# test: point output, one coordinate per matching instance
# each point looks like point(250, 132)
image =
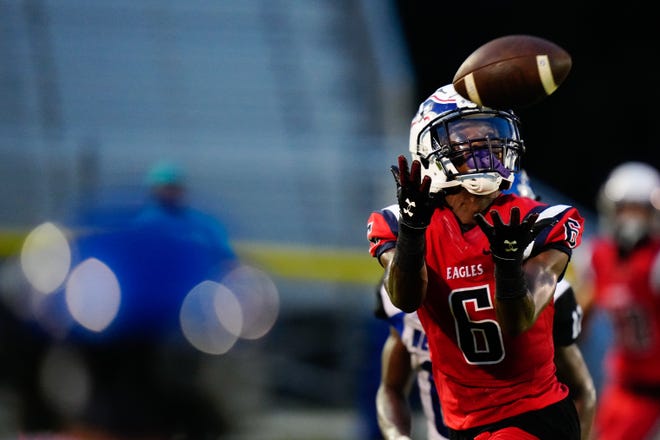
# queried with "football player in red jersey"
point(623, 269)
point(480, 268)
point(405, 353)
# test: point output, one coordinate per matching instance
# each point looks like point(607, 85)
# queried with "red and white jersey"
point(628, 288)
point(483, 375)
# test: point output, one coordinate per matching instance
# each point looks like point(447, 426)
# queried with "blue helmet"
point(521, 186)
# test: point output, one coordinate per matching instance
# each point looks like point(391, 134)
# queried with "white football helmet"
point(630, 183)
point(462, 144)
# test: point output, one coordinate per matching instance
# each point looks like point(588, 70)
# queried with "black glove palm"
point(412, 192)
point(508, 241)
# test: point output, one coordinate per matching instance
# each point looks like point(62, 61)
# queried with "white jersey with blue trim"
point(414, 338)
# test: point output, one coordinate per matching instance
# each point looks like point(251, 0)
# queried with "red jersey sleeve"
point(564, 235)
point(382, 230)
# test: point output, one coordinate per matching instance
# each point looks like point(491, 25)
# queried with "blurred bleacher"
point(286, 115)
point(280, 110)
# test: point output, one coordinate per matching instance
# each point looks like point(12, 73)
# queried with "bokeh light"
point(93, 294)
point(211, 318)
point(46, 257)
point(258, 298)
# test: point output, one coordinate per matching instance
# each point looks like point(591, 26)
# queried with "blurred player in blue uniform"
point(168, 210)
point(139, 374)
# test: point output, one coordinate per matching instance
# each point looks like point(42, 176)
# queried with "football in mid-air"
point(513, 71)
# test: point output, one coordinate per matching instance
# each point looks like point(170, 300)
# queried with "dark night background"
point(602, 115)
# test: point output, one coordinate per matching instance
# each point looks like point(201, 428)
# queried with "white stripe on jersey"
point(549, 212)
point(562, 287)
point(552, 211)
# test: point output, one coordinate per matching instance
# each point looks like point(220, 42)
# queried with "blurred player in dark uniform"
point(405, 354)
point(481, 268)
point(622, 266)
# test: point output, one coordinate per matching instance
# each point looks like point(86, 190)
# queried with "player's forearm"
point(586, 408)
point(394, 415)
point(583, 392)
point(573, 371)
point(407, 277)
point(406, 289)
point(515, 305)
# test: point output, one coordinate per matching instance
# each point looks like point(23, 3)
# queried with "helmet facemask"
point(631, 229)
point(476, 148)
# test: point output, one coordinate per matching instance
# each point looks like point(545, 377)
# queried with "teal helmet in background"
point(165, 173)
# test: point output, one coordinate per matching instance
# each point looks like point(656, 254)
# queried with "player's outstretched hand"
point(412, 192)
point(508, 241)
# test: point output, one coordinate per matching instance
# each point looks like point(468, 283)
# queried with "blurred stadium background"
point(286, 115)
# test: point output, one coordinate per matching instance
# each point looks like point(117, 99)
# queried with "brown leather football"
point(512, 71)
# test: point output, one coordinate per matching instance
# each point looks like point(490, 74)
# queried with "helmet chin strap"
point(481, 184)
